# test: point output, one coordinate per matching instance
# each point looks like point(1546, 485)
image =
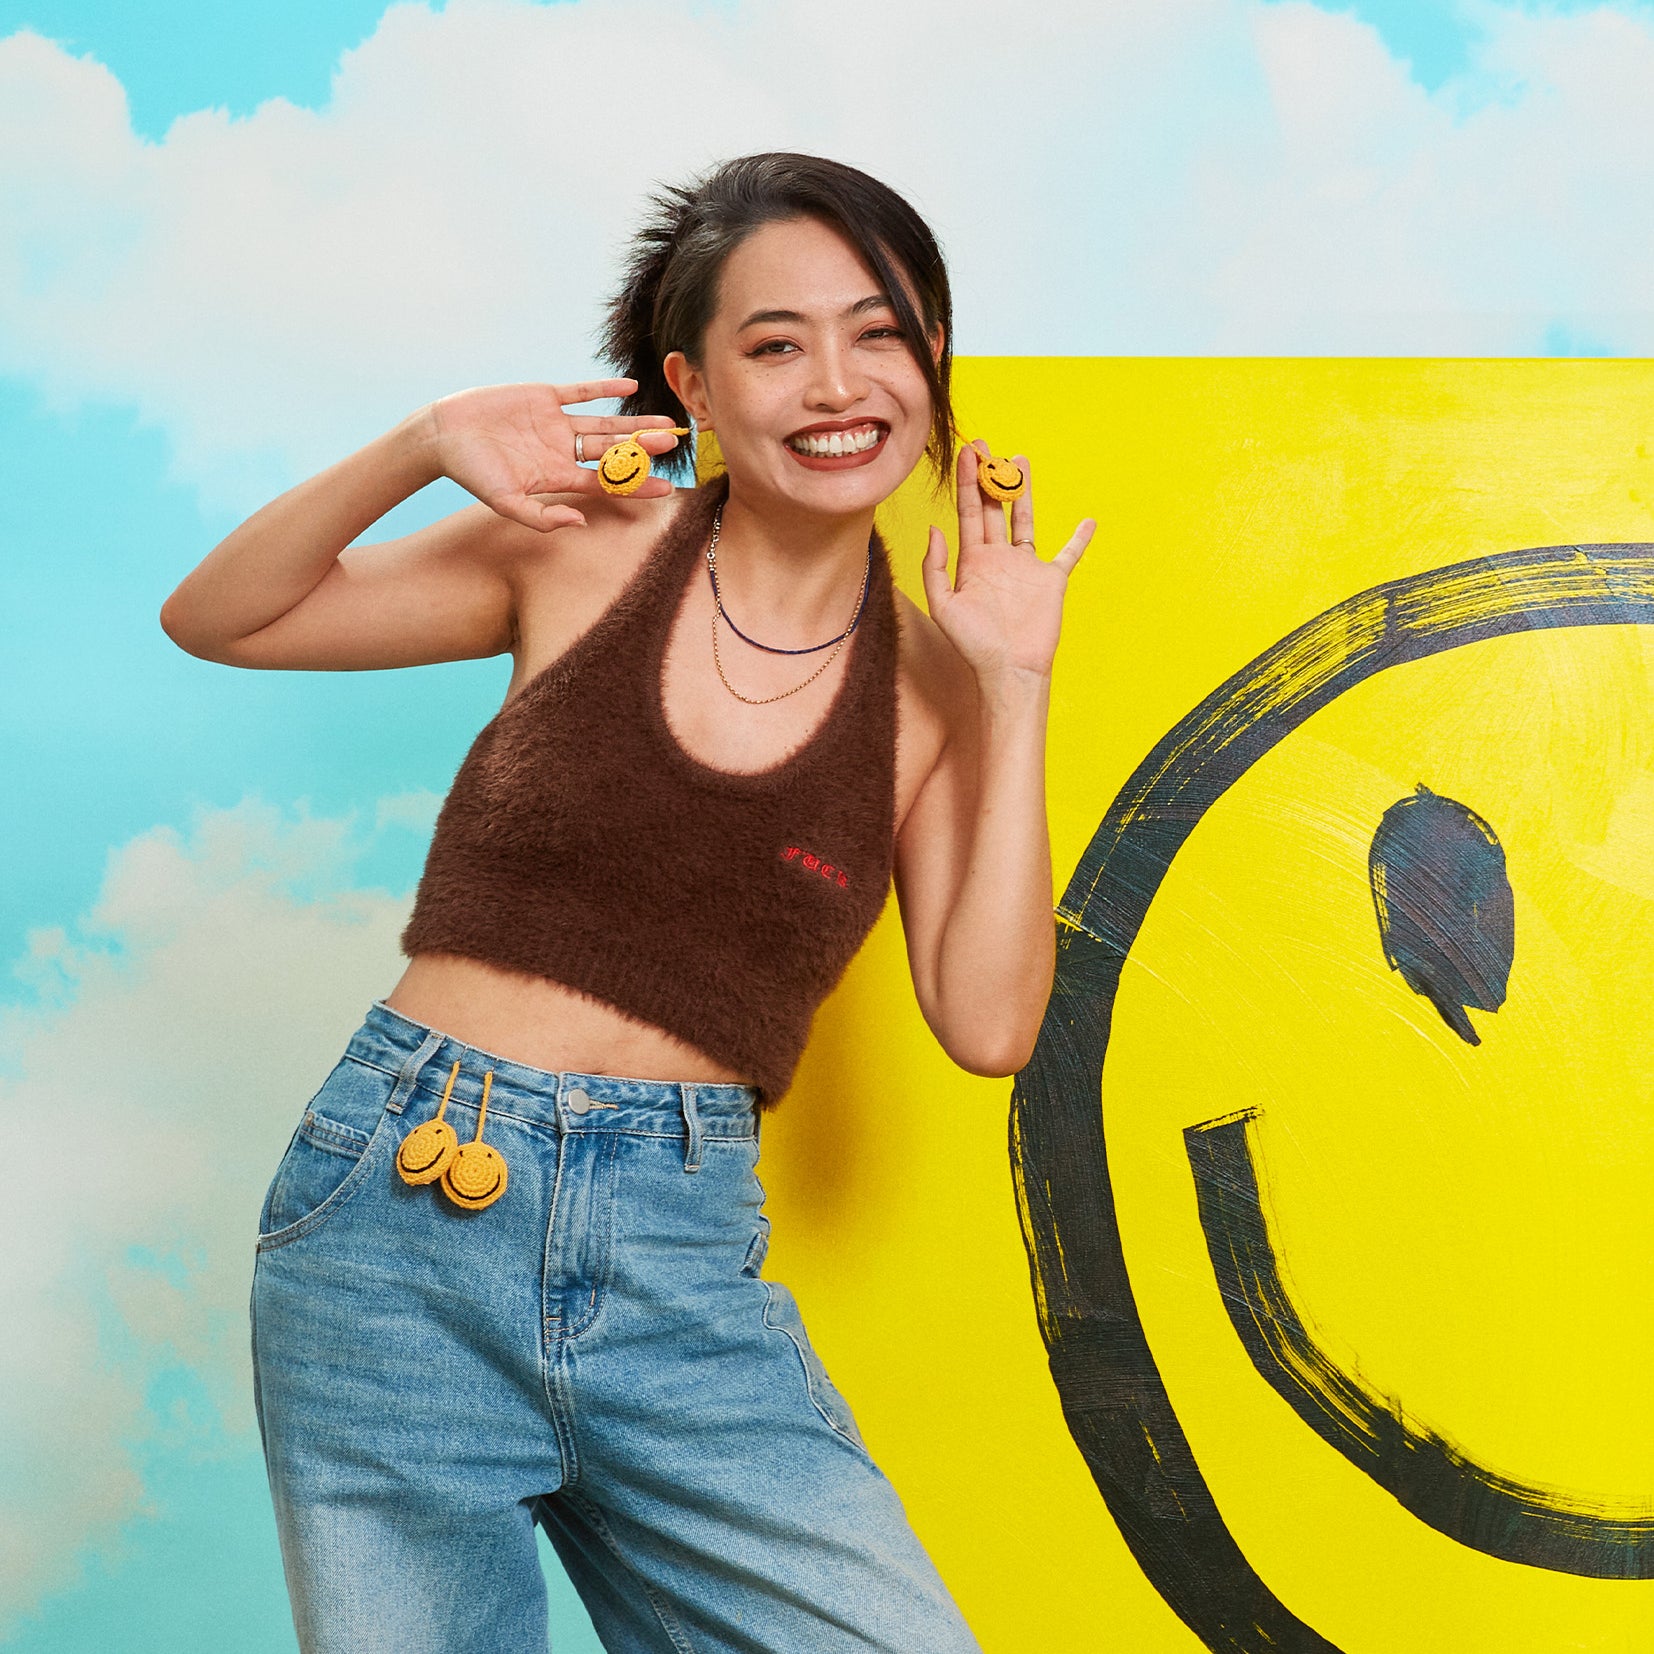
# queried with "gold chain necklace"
point(717, 659)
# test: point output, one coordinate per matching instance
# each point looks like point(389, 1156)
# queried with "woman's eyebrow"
point(873, 301)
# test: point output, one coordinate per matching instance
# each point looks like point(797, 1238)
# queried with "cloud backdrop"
point(259, 291)
point(1187, 176)
point(174, 1036)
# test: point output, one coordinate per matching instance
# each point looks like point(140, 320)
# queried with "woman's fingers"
point(583, 480)
point(543, 514)
point(593, 437)
point(653, 442)
point(969, 498)
point(656, 442)
point(613, 425)
point(986, 511)
point(933, 571)
point(993, 513)
point(1075, 549)
point(1022, 507)
point(592, 390)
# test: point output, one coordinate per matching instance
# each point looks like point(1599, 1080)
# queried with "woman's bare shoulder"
point(614, 527)
point(565, 580)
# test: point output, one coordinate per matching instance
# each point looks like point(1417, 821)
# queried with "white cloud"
point(417, 811)
point(152, 1090)
point(1175, 176)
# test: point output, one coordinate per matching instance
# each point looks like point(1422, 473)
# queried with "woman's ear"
point(937, 339)
point(689, 386)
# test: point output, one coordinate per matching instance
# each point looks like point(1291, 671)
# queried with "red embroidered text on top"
point(580, 842)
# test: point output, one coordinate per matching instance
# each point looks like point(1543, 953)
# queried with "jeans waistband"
point(568, 1100)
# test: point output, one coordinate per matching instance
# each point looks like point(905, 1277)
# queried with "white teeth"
point(823, 444)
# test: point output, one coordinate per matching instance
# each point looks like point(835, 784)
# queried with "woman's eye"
point(773, 347)
point(883, 333)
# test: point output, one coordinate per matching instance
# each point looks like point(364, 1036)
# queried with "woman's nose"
point(836, 382)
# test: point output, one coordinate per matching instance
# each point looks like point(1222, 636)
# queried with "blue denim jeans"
point(597, 1352)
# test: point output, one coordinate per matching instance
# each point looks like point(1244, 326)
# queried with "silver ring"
point(580, 447)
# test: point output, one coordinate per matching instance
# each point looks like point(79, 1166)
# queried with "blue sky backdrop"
point(237, 242)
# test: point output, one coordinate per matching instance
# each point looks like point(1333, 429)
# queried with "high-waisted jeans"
point(597, 1351)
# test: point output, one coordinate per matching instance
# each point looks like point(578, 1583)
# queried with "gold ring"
point(1029, 543)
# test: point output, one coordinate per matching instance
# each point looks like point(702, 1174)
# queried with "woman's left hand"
point(1003, 609)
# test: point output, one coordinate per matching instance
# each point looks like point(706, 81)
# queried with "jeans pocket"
point(781, 1315)
point(328, 1155)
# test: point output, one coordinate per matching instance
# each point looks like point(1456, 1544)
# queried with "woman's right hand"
point(513, 445)
point(291, 589)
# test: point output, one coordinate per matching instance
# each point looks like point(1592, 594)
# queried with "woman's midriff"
point(529, 1019)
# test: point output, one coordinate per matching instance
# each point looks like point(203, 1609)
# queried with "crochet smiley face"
point(475, 1177)
point(426, 1151)
point(1001, 479)
point(624, 467)
point(472, 1175)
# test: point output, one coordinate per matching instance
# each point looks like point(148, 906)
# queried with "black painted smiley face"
point(1440, 893)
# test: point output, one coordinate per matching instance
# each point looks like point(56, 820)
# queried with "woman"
point(654, 863)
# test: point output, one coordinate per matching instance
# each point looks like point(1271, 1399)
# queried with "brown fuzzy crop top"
point(582, 843)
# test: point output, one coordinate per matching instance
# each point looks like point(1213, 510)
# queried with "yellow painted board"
point(1467, 1226)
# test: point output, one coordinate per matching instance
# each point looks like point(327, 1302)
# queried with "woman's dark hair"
point(671, 285)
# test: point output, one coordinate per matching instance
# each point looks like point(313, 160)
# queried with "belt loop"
point(409, 1073)
point(691, 1130)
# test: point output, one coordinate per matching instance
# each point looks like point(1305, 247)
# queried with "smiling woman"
point(527, 1189)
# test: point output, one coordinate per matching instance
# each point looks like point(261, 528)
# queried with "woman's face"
point(805, 374)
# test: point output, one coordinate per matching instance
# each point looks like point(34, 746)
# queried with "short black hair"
point(671, 282)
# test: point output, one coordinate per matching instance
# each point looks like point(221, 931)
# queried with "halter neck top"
point(582, 843)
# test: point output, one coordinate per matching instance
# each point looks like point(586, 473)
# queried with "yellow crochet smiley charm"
point(428, 1148)
point(624, 466)
point(475, 1176)
point(1001, 479)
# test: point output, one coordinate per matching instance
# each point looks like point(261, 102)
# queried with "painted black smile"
point(1113, 1397)
point(1441, 1485)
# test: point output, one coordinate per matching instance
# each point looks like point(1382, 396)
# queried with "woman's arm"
point(973, 858)
point(283, 590)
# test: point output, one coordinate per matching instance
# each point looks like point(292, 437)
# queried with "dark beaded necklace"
point(769, 648)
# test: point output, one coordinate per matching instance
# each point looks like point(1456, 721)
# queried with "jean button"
point(577, 1100)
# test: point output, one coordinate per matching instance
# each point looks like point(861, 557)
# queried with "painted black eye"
point(1446, 917)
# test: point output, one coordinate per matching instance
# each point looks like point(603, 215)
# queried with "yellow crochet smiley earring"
point(624, 466)
point(475, 1176)
point(1001, 479)
point(428, 1148)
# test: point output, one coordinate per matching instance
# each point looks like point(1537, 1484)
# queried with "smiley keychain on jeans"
point(473, 1175)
